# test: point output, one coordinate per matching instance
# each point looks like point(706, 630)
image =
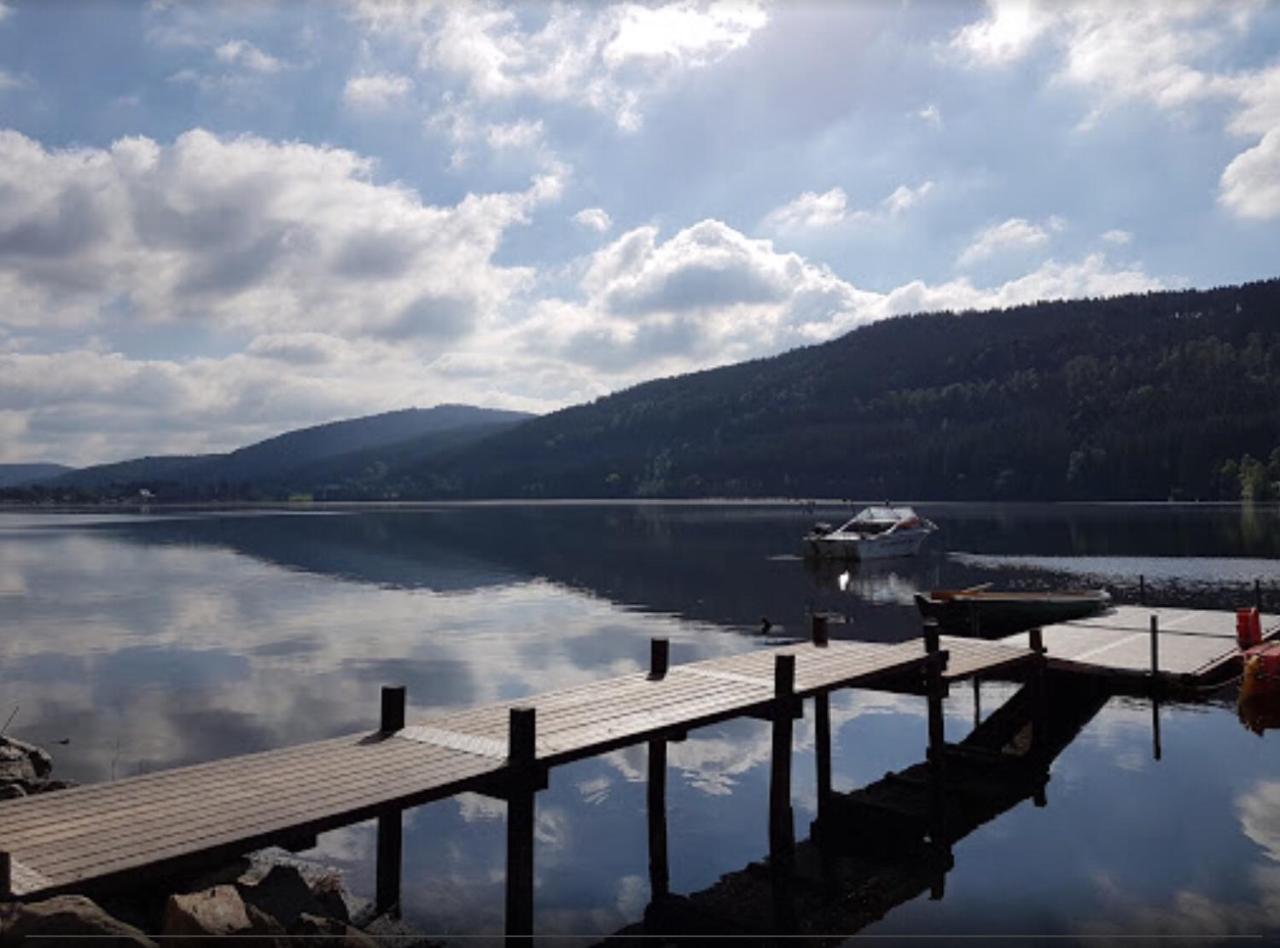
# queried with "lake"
point(149, 640)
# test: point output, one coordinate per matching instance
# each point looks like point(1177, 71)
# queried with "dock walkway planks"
point(164, 821)
point(1195, 645)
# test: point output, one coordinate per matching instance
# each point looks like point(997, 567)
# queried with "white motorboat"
point(875, 533)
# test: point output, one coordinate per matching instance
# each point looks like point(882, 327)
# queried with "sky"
point(221, 221)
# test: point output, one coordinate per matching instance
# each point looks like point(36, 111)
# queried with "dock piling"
point(521, 757)
point(392, 719)
point(822, 753)
point(656, 800)
point(659, 658)
point(6, 875)
point(818, 630)
point(1156, 750)
point(781, 822)
point(1155, 649)
point(390, 859)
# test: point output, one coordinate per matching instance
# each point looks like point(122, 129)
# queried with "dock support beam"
point(656, 800)
point(935, 688)
point(1039, 694)
point(6, 875)
point(781, 824)
point(521, 757)
point(390, 861)
point(1155, 650)
point(390, 851)
point(822, 755)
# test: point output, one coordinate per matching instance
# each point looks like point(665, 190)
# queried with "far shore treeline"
point(1169, 395)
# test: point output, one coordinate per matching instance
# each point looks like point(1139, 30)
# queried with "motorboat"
point(988, 613)
point(876, 533)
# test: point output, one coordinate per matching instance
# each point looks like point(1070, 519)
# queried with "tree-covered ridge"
point(1137, 397)
point(1142, 397)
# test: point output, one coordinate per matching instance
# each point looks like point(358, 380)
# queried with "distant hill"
point(1147, 396)
point(1141, 397)
point(14, 474)
point(294, 461)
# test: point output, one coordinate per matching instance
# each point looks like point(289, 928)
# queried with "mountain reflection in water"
point(155, 641)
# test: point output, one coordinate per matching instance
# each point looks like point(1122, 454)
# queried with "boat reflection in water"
point(1259, 712)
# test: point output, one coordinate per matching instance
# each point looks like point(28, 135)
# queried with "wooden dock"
point(1176, 648)
point(159, 825)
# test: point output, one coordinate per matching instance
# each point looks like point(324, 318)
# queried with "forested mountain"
point(327, 454)
point(12, 474)
point(1147, 396)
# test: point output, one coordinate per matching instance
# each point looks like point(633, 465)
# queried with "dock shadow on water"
point(152, 642)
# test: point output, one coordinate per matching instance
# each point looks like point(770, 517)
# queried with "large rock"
point(16, 766)
point(40, 760)
point(330, 931)
point(284, 895)
point(211, 912)
point(66, 915)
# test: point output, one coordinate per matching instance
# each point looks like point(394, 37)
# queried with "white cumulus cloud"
point(375, 90)
point(1016, 233)
point(1250, 185)
point(243, 53)
point(594, 218)
point(605, 58)
point(811, 211)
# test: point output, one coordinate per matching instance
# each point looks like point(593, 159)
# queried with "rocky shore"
point(269, 898)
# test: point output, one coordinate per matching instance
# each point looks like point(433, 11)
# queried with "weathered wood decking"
point(1194, 646)
point(167, 821)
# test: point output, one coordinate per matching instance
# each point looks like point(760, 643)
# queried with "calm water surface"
point(150, 641)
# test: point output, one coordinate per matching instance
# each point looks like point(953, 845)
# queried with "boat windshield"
point(885, 515)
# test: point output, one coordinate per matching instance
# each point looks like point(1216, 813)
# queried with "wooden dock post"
point(6, 875)
point(656, 800)
point(822, 755)
point(977, 700)
point(390, 860)
point(392, 708)
point(818, 630)
point(390, 845)
point(659, 658)
point(935, 689)
point(781, 824)
point(521, 758)
point(1155, 649)
point(1039, 692)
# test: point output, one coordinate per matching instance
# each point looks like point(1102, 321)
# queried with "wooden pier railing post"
point(935, 690)
point(659, 658)
point(390, 861)
point(521, 758)
point(818, 629)
point(781, 823)
point(392, 708)
point(659, 876)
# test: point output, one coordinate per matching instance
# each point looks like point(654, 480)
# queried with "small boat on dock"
point(875, 533)
point(990, 613)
